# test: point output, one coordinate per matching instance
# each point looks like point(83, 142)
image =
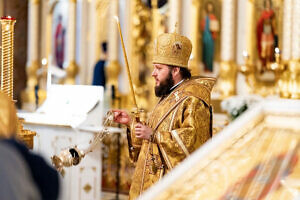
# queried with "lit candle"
point(245, 54)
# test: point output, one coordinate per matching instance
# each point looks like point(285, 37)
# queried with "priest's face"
point(163, 79)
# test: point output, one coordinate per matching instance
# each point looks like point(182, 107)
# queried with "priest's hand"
point(121, 116)
point(143, 131)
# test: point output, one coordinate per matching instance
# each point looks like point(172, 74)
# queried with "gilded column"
point(294, 65)
point(141, 50)
point(72, 67)
point(194, 63)
point(228, 69)
point(174, 14)
point(32, 64)
point(7, 73)
point(113, 69)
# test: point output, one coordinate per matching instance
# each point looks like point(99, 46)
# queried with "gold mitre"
point(172, 49)
point(8, 117)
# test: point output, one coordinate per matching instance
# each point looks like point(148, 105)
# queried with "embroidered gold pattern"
point(184, 110)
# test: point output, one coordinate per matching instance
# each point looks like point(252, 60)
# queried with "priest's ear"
point(175, 71)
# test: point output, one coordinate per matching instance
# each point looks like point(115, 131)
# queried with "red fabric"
point(59, 45)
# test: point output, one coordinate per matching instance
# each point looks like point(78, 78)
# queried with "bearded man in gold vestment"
point(180, 122)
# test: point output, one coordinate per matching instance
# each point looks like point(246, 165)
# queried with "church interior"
point(66, 63)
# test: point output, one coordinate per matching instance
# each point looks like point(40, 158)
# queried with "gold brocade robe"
point(181, 123)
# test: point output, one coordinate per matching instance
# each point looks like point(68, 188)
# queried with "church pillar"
point(228, 69)
point(94, 42)
point(72, 67)
point(113, 69)
point(287, 30)
point(32, 64)
point(296, 30)
point(250, 31)
point(174, 15)
point(294, 65)
point(286, 47)
point(194, 63)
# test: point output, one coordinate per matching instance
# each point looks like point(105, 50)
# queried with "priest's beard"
point(164, 87)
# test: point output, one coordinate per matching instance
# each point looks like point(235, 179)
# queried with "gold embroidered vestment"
point(181, 123)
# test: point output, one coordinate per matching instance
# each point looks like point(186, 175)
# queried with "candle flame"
point(116, 18)
point(245, 53)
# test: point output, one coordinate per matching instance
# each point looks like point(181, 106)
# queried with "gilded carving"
point(87, 188)
point(35, 2)
point(140, 54)
point(72, 71)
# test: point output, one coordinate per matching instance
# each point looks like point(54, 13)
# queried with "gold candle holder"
point(258, 86)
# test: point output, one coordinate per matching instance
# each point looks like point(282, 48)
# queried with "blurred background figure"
point(210, 28)
point(99, 70)
point(59, 43)
point(23, 174)
point(266, 34)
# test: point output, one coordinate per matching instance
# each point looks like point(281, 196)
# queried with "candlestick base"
point(226, 83)
point(72, 71)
